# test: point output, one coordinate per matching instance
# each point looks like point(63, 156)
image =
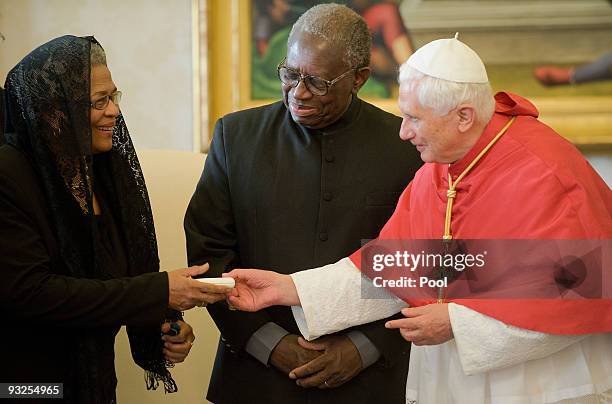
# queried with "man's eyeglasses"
point(316, 85)
point(101, 103)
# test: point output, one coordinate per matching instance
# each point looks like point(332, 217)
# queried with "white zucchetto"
point(449, 59)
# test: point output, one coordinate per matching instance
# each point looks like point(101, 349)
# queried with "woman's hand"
point(185, 292)
point(177, 347)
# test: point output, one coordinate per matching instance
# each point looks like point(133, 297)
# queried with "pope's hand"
point(424, 325)
point(257, 289)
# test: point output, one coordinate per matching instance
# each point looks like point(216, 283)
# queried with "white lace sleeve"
point(485, 343)
point(333, 297)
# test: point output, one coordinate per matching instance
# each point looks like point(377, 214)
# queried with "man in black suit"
point(294, 185)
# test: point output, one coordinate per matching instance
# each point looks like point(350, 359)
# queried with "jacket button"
point(329, 158)
point(323, 236)
point(328, 196)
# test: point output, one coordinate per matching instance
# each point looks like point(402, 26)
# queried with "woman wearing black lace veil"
point(78, 253)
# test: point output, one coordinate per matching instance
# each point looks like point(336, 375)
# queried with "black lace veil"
point(48, 119)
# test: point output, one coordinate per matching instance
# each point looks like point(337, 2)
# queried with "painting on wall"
point(271, 23)
point(557, 53)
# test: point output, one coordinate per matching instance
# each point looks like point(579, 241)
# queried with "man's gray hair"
point(341, 27)
point(442, 96)
point(97, 55)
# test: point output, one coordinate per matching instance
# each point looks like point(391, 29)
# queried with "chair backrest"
point(171, 177)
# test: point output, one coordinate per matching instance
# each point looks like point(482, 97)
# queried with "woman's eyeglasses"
point(102, 103)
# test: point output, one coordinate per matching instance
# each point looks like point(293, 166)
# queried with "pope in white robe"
point(500, 174)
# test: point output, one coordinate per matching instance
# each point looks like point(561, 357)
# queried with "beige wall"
point(148, 45)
